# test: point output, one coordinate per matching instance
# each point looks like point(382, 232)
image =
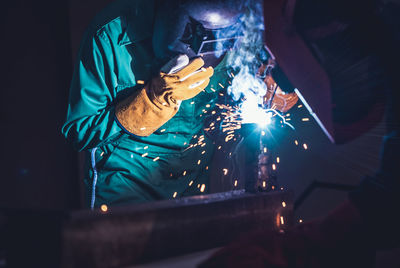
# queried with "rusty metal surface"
point(136, 234)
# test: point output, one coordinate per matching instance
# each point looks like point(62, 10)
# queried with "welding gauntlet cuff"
point(142, 113)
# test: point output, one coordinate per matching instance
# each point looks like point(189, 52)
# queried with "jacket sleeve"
point(90, 118)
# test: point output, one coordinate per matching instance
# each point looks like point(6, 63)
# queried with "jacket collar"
point(139, 23)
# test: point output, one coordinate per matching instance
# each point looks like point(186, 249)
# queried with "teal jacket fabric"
point(115, 57)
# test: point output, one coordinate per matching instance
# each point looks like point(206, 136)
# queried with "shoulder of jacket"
point(112, 20)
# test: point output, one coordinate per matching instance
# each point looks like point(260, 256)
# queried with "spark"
point(198, 162)
point(198, 185)
point(203, 187)
point(305, 119)
point(265, 150)
point(206, 167)
point(235, 183)
point(140, 82)
point(300, 220)
point(283, 204)
point(220, 85)
point(184, 173)
point(296, 142)
point(225, 171)
point(264, 184)
point(192, 103)
point(104, 208)
point(102, 153)
point(305, 146)
point(203, 152)
point(145, 154)
point(278, 160)
point(263, 132)
point(146, 147)
point(219, 147)
point(208, 105)
point(282, 117)
point(300, 105)
point(273, 167)
point(175, 194)
point(282, 221)
point(229, 137)
point(162, 130)
point(155, 159)
point(142, 128)
point(190, 183)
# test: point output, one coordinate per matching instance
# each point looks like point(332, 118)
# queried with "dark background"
point(40, 171)
point(40, 41)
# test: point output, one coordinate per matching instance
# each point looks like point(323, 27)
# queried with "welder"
point(140, 87)
point(346, 53)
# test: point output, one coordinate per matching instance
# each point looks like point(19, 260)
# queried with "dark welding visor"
point(205, 41)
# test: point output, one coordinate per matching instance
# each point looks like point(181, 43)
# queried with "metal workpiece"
point(121, 236)
point(257, 167)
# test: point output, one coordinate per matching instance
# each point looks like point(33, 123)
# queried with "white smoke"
point(245, 60)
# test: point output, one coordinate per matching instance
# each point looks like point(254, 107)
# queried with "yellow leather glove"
point(170, 88)
point(145, 111)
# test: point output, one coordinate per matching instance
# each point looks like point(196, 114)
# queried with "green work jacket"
point(114, 58)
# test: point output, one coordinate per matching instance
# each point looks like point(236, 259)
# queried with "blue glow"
point(216, 19)
point(251, 112)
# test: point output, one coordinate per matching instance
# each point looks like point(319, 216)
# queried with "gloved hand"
point(145, 111)
point(336, 241)
point(181, 81)
point(278, 99)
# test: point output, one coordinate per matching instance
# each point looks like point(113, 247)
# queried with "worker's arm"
point(90, 119)
point(94, 117)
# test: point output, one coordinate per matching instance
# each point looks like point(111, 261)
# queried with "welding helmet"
point(326, 52)
point(196, 28)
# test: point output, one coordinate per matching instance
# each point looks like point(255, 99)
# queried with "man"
point(144, 79)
